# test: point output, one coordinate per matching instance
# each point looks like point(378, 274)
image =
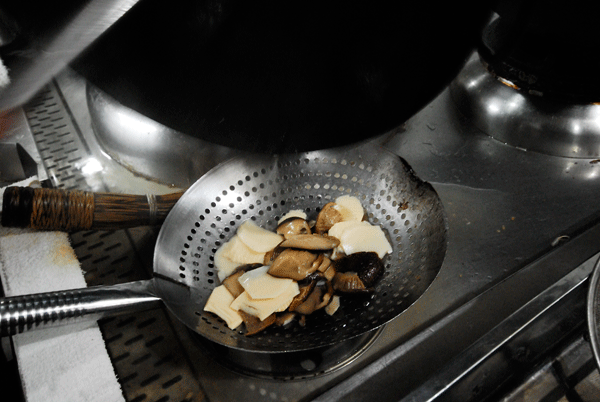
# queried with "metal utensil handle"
point(29, 312)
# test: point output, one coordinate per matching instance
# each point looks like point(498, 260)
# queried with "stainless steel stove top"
point(523, 229)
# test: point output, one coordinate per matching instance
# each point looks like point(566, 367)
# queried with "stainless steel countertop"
point(519, 221)
point(512, 214)
point(507, 209)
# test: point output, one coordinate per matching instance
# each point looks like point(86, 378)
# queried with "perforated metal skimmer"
point(258, 188)
point(263, 189)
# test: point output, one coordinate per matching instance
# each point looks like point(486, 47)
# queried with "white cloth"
point(68, 363)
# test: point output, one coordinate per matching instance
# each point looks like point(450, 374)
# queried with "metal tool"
point(263, 188)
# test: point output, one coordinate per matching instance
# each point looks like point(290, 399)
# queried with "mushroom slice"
point(254, 325)
point(329, 272)
point(271, 255)
point(327, 295)
point(293, 226)
point(372, 270)
point(328, 217)
point(311, 302)
point(326, 299)
point(324, 265)
point(317, 299)
point(349, 282)
point(318, 262)
point(285, 318)
point(305, 291)
point(368, 266)
point(232, 285)
point(293, 264)
point(311, 242)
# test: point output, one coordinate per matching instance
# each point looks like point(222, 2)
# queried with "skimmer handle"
point(29, 312)
point(57, 209)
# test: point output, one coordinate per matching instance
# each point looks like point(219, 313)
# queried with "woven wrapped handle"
point(55, 209)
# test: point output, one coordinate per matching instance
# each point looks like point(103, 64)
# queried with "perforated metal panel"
point(148, 358)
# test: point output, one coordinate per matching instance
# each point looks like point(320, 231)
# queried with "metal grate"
point(149, 361)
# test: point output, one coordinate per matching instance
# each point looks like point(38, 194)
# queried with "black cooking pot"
point(280, 76)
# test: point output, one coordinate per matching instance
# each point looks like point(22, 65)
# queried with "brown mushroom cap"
point(367, 265)
point(254, 325)
point(293, 226)
point(311, 302)
point(329, 272)
point(327, 217)
point(327, 295)
point(294, 264)
point(311, 242)
point(317, 299)
point(349, 282)
point(232, 284)
point(318, 261)
point(271, 255)
point(305, 291)
point(285, 318)
point(324, 265)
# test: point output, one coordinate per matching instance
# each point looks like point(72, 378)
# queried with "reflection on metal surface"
point(149, 148)
point(523, 120)
point(37, 311)
point(91, 166)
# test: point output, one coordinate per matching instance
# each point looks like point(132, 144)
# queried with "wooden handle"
point(55, 209)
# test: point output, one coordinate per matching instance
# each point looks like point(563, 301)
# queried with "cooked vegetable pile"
point(277, 277)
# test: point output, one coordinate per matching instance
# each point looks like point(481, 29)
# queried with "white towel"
point(61, 364)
